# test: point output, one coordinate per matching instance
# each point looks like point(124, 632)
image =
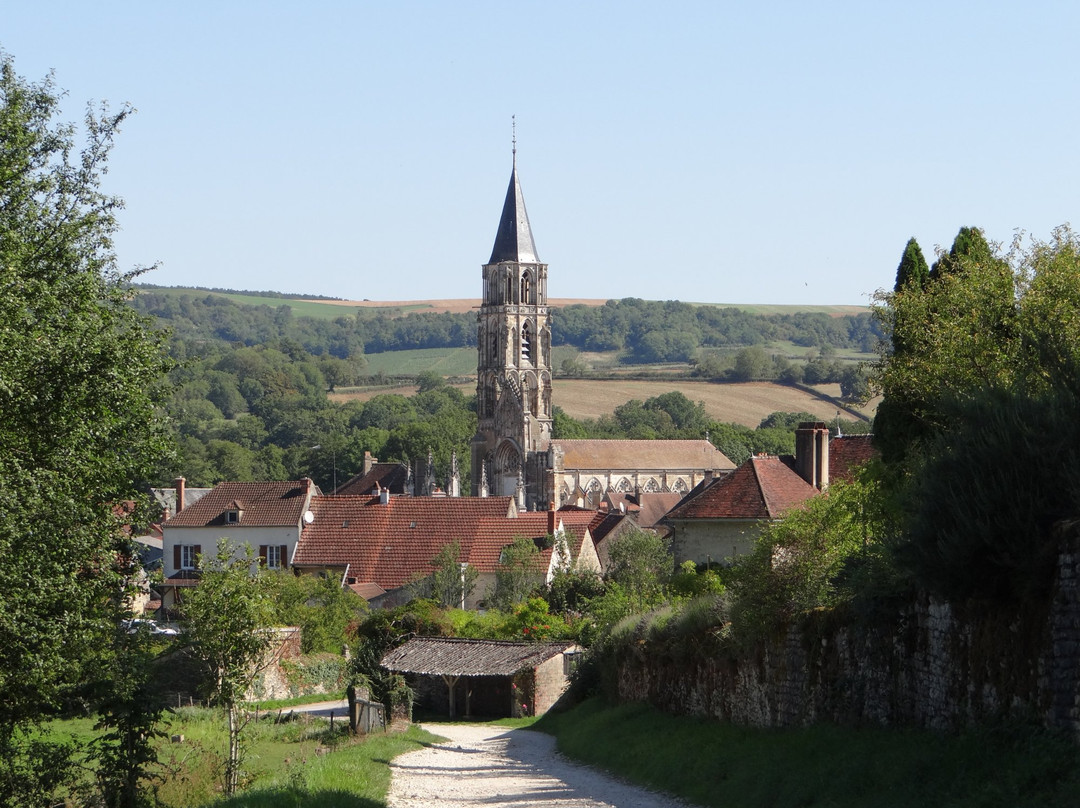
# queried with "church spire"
point(514, 239)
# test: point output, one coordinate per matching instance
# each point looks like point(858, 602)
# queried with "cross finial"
point(513, 136)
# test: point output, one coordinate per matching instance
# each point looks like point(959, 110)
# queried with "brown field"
point(745, 404)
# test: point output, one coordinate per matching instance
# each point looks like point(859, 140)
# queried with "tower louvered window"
point(526, 343)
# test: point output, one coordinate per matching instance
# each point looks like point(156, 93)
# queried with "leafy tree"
point(517, 574)
point(451, 581)
point(80, 427)
point(797, 564)
point(225, 619)
point(322, 608)
point(752, 364)
point(912, 270)
point(641, 564)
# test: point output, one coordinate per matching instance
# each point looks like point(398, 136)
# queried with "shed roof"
point(452, 656)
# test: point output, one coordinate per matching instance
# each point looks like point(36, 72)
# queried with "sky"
point(722, 152)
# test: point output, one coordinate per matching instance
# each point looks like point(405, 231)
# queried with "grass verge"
point(713, 764)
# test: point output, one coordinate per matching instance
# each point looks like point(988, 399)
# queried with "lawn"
point(723, 766)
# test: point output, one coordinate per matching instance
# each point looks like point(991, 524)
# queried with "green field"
point(300, 308)
point(444, 361)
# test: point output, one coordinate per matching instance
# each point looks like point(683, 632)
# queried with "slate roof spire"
point(514, 239)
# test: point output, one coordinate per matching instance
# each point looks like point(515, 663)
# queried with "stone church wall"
point(938, 665)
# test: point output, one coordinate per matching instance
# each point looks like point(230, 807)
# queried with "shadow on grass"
point(298, 798)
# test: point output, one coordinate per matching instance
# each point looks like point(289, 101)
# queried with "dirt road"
point(482, 766)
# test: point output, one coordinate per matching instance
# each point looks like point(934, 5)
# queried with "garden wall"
point(928, 663)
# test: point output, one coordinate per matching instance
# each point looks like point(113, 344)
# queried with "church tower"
point(513, 386)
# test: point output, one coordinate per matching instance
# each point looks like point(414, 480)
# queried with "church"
point(514, 452)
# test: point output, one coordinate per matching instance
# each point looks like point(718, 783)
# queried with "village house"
point(380, 546)
point(266, 517)
point(722, 519)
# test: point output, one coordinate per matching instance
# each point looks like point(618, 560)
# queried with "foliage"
point(641, 564)
point(518, 573)
point(225, 621)
point(912, 270)
point(322, 608)
point(984, 499)
point(80, 429)
point(980, 392)
point(797, 564)
point(451, 582)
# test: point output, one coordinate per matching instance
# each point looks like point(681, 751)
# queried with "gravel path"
point(482, 766)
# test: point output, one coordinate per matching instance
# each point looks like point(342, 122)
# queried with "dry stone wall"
point(930, 664)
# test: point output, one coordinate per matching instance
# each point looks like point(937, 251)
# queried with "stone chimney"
point(369, 461)
point(551, 519)
point(178, 484)
point(812, 453)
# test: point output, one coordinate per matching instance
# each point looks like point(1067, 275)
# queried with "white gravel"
point(482, 766)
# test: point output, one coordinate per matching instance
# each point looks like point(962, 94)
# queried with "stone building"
point(513, 453)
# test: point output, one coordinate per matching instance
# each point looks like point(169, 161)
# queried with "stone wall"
point(928, 664)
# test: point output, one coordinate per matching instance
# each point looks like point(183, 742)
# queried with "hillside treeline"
point(647, 332)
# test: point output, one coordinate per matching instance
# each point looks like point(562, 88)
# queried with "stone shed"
point(484, 677)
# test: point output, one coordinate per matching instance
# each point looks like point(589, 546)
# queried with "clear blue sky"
point(720, 152)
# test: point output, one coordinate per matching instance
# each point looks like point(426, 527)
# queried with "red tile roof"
point(388, 544)
point(763, 487)
point(848, 453)
point(386, 475)
point(264, 504)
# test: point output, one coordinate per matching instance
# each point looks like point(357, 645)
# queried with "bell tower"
point(513, 384)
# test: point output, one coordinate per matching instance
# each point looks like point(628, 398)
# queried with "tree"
point(80, 427)
point(225, 619)
point(912, 270)
point(517, 574)
point(641, 563)
point(452, 581)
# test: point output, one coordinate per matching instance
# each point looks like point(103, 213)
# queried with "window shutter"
point(176, 557)
point(284, 556)
point(262, 555)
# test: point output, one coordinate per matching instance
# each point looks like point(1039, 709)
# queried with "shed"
point(492, 677)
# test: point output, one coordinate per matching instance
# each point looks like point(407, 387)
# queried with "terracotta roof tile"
point(618, 455)
point(265, 504)
point(763, 487)
point(388, 544)
point(848, 453)
point(386, 475)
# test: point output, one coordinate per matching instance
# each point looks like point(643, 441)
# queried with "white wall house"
point(265, 516)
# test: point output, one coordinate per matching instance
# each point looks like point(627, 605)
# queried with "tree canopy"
point(80, 429)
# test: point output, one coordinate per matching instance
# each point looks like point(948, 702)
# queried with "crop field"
point(444, 361)
point(747, 404)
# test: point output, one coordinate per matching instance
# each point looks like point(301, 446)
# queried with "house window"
point(232, 517)
point(274, 556)
point(570, 661)
point(188, 555)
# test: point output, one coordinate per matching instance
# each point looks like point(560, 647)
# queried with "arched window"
point(526, 288)
point(526, 343)
point(509, 287)
point(594, 493)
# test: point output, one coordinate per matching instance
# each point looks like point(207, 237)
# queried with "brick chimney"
point(551, 519)
point(178, 484)
point(812, 453)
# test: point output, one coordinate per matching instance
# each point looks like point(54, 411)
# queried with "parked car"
point(152, 627)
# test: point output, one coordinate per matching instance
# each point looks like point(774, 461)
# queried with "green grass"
point(715, 764)
point(444, 361)
point(310, 698)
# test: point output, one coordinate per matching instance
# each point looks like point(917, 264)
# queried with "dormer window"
point(234, 513)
